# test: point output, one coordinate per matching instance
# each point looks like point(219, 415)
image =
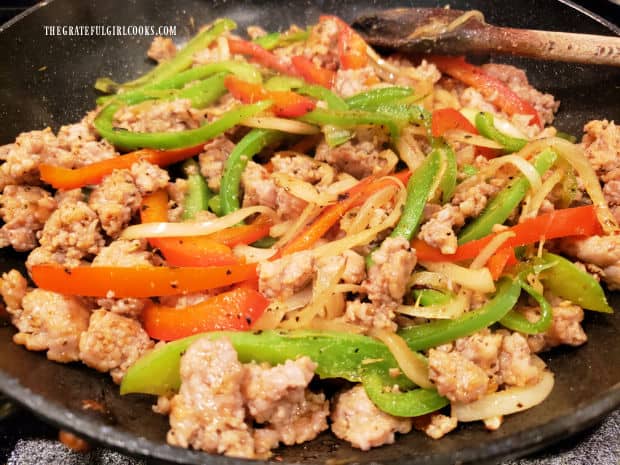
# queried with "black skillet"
point(47, 80)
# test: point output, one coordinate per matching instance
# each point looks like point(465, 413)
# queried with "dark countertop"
point(25, 440)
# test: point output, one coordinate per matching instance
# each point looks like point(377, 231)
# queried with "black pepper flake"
point(144, 208)
point(68, 271)
point(520, 405)
point(357, 349)
point(248, 319)
point(258, 333)
point(174, 285)
point(228, 272)
point(343, 196)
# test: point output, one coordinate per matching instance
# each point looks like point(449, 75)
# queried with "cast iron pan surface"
point(47, 81)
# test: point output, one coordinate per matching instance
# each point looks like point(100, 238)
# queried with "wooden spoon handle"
point(549, 45)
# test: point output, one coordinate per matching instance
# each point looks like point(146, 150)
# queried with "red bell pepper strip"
point(313, 73)
point(183, 251)
point(138, 281)
point(260, 55)
point(578, 221)
point(232, 310)
point(447, 119)
point(504, 257)
point(65, 178)
point(285, 103)
point(490, 87)
point(332, 214)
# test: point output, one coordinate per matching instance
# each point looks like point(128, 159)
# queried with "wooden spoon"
point(455, 32)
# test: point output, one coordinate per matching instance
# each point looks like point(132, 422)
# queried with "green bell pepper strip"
point(351, 118)
point(242, 70)
point(469, 170)
point(353, 357)
point(410, 403)
point(281, 83)
point(215, 205)
point(335, 136)
point(265, 243)
point(517, 322)
point(504, 203)
point(172, 140)
point(334, 102)
point(338, 355)
point(280, 39)
point(412, 114)
point(486, 127)
point(418, 191)
point(428, 297)
point(198, 193)
point(184, 57)
point(370, 100)
point(568, 282)
point(448, 180)
point(246, 148)
point(565, 135)
point(425, 336)
point(203, 93)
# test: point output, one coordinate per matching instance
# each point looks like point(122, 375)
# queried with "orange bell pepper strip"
point(285, 103)
point(260, 55)
point(313, 73)
point(500, 260)
point(332, 214)
point(446, 119)
point(232, 310)
point(578, 221)
point(490, 87)
point(245, 233)
point(65, 178)
point(138, 281)
point(183, 251)
point(351, 46)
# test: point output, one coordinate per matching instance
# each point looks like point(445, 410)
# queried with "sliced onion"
point(273, 315)
point(253, 254)
point(281, 124)
point(430, 279)
point(303, 190)
point(574, 155)
point(506, 127)
point(279, 229)
point(308, 214)
point(343, 184)
point(366, 236)
point(477, 280)
point(488, 250)
point(335, 325)
point(511, 400)
point(367, 210)
point(453, 309)
point(409, 150)
point(200, 228)
point(432, 29)
point(458, 135)
point(411, 364)
point(521, 164)
point(530, 209)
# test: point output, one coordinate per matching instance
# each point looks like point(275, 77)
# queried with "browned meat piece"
point(115, 200)
point(393, 263)
point(517, 365)
point(515, 78)
point(24, 210)
point(212, 160)
point(565, 327)
point(482, 348)
point(284, 277)
point(456, 377)
point(304, 168)
point(208, 412)
point(161, 49)
point(174, 115)
point(72, 230)
point(81, 139)
point(359, 157)
point(370, 315)
point(435, 425)
point(113, 343)
point(601, 143)
point(349, 82)
point(468, 201)
point(127, 253)
point(176, 191)
point(13, 288)
point(52, 322)
point(321, 47)
point(278, 397)
point(357, 420)
point(602, 251)
point(352, 264)
point(260, 189)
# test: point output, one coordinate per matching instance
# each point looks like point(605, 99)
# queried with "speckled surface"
point(48, 81)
